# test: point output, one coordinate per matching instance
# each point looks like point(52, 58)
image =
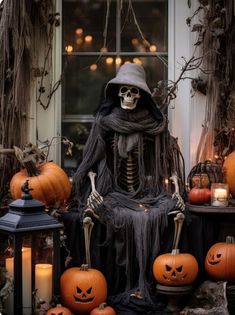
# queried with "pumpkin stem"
point(31, 167)
point(28, 161)
point(84, 267)
point(175, 251)
point(230, 240)
point(102, 306)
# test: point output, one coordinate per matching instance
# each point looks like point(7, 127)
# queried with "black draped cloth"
point(133, 226)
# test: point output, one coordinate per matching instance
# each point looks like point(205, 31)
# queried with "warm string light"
point(69, 49)
point(93, 67)
point(109, 60)
point(88, 38)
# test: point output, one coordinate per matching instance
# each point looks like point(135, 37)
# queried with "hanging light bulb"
point(134, 41)
point(118, 61)
point(69, 49)
point(137, 61)
point(79, 41)
point(79, 31)
point(109, 60)
point(104, 49)
point(93, 67)
point(88, 39)
point(153, 48)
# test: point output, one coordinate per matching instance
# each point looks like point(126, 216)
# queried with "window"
point(99, 36)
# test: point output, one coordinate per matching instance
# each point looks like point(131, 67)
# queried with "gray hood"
point(130, 74)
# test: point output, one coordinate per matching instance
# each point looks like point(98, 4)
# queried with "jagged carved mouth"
point(175, 278)
point(88, 300)
point(213, 262)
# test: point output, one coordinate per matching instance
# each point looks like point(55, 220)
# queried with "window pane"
point(151, 17)
point(83, 84)
point(76, 133)
point(84, 24)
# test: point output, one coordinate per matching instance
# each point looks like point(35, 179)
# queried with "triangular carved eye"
point(89, 290)
point(179, 269)
point(218, 255)
point(168, 268)
point(79, 290)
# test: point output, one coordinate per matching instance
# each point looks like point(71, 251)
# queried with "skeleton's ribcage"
point(126, 169)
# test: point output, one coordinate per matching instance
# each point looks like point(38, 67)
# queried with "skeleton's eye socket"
point(134, 90)
point(123, 89)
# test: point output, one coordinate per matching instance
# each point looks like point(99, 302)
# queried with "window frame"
point(180, 107)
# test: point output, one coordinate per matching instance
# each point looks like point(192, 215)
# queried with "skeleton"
point(128, 166)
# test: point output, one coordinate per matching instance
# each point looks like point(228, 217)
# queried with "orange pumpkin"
point(83, 289)
point(219, 261)
point(199, 196)
point(58, 310)
point(229, 170)
point(50, 184)
point(175, 269)
point(103, 309)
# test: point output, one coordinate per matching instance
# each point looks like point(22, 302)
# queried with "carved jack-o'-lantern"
point(58, 310)
point(219, 261)
point(83, 289)
point(175, 269)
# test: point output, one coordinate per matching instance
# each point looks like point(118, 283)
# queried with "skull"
point(129, 96)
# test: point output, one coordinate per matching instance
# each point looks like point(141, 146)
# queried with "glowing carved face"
point(174, 273)
point(175, 269)
point(82, 289)
point(214, 258)
point(84, 296)
point(129, 96)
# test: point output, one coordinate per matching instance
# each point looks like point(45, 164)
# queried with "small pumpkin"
point(58, 310)
point(219, 261)
point(199, 196)
point(175, 268)
point(103, 309)
point(82, 289)
point(48, 181)
point(229, 171)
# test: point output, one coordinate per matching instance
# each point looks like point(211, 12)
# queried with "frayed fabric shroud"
point(129, 234)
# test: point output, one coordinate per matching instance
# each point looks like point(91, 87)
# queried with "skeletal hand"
point(176, 195)
point(95, 199)
point(179, 201)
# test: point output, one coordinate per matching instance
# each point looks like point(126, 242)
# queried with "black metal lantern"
point(34, 264)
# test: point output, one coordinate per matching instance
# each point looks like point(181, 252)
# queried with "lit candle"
point(166, 182)
point(27, 284)
point(219, 195)
point(26, 281)
point(43, 282)
point(9, 302)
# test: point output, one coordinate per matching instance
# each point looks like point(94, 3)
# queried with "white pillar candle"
point(9, 264)
point(26, 281)
point(43, 282)
point(220, 197)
